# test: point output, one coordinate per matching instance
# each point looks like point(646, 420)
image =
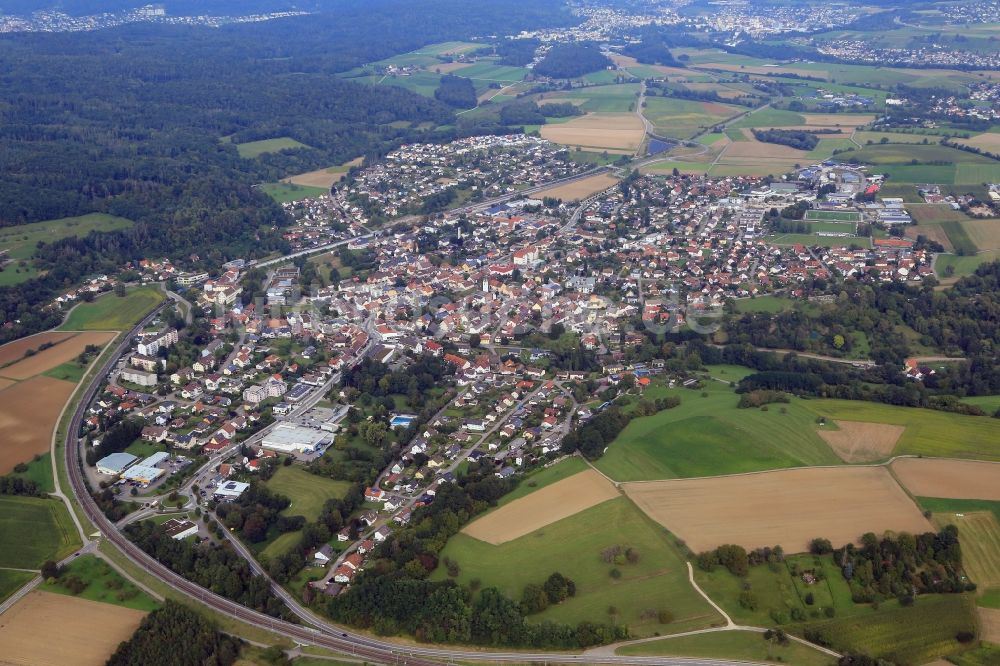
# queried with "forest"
point(799, 139)
point(568, 61)
point(176, 635)
point(456, 91)
point(140, 122)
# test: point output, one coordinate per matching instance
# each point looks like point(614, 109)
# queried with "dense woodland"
point(139, 122)
point(175, 635)
point(568, 61)
point(456, 91)
point(802, 140)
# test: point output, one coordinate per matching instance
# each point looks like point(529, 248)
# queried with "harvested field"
point(4, 383)
point(581, 188)
point(56, 355)
point(755, 69)
point(954, 479)
point(754, 149)
point(989, 619)
point(858, 442)
point(542, 507)
point(28, 413)
point(984, 233)
point(788, 507)
point(623, 131)
point(14, 351)
point(932, 232)
point(989, 142)
point(841, 119)
point(323, 177)
point(44, 629)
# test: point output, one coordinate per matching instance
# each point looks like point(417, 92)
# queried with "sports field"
point(953, 479)
point(61, 352)
point(28, 413)
point(833, 216)
point(857, 442)
point(736, 645)
point(22, 240)
point(257, 148)
point(34, 530)
point(580, 189)
point(787, 507)
point(928, 432)
point(45, 629)
point(109, 312)
point(308, 492)
point(573, 547)
point(615, 131)
point(543, 507)
point(711, 435)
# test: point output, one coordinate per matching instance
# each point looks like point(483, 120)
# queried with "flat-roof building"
point(115, 463)
point(180, 529)
point(230, 490)
point(287, 438)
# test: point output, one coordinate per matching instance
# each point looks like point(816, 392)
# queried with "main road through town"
point(313, 631)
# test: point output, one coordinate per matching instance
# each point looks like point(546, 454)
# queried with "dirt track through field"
point(787, 507)
point(47, 629)
point(580, 189)
point(28, 412)
point(858, 442)
point(66, 350)
point(526, 514)
point(955, 479)
point(14, 351)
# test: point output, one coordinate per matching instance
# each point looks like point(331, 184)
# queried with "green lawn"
point(33, 530)
point(928, 432)
point(103, 584)
point(946, 505)
point(22, 240)
point(253, 149)
point(572, 546)
point(114, 313)
point(308, 492)
point(729, 373)
point(987, 654)
point(988, 403)
point(490, 71)
point(70, 371)
point(736, 645)
point(281, 544)
point(710, 436)
point(770, 304)
point(287, 192)
point(989, 599)
point(12, 581)
point(817, 227)
point(966, 265)
point(40, 471)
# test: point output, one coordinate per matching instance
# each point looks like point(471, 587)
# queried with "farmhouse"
point(115, 464)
